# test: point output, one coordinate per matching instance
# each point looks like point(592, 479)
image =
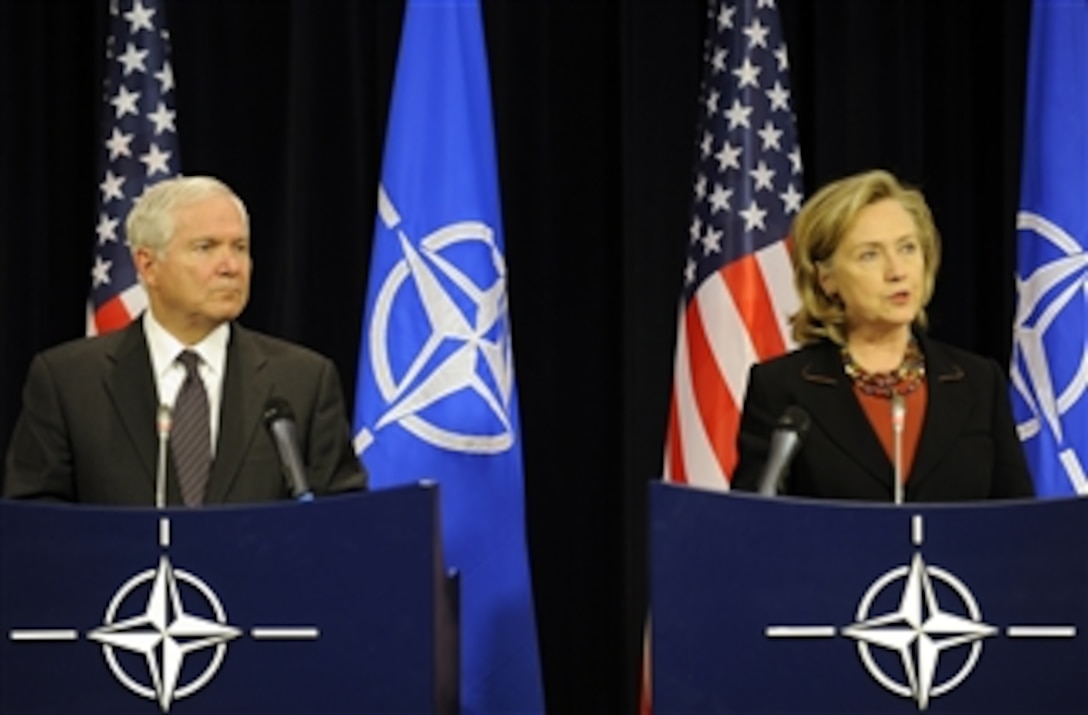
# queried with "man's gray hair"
point(150, 223)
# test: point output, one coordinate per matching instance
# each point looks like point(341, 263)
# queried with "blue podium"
point(340, 605)
point(797, 606)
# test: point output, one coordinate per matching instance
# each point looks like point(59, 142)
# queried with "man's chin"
point(227, 312)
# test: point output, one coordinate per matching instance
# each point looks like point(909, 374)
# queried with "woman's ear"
point(826, 279)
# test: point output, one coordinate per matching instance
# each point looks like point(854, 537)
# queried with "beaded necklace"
point(904, 379)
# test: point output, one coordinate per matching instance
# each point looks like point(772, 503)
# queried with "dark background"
point(595, 110)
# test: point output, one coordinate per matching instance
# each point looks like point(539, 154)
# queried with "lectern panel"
point(322, 607)
point(795, 606)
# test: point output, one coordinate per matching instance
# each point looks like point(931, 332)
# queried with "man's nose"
point(229, 262)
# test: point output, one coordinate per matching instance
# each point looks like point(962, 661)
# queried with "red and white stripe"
point(117, 312)
point(738, 316)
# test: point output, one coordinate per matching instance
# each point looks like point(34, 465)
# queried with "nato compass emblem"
point(1052, 299)
point(167, 627)
point(920, 629)
point(456, 357)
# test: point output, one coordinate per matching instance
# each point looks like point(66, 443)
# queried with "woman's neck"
point(878, 353)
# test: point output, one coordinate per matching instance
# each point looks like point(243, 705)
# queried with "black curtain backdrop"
point(595, 109)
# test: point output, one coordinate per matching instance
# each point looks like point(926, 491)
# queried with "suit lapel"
point(131, 386)
point(245, 391)
point(946, 410)
point(829, 397)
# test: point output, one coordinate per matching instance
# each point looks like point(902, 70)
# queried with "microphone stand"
point(163, 424)
point(899, 413)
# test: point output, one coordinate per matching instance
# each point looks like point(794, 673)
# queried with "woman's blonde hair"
point(817, 231)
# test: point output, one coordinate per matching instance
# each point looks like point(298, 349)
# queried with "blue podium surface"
point(339, 605)
point(779, 605)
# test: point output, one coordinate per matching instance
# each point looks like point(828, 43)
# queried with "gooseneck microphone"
point(899, 418)
point(786, 440)
point(163, 423)
point(280, 420)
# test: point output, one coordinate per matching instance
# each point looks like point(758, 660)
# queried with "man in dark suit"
point(93, 422)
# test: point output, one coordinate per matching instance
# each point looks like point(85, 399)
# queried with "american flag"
point(738, 289)
point(139, 148)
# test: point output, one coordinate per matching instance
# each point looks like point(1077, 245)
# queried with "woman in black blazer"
point(892, 415)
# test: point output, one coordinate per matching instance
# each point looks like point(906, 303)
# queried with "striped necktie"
point(190, 437)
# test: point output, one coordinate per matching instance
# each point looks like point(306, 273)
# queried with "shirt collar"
point(164, 347)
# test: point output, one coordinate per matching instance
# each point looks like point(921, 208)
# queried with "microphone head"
point(898, 405)
point(276, 409)
point(899, 411)
point(785, 442)
point(164, 419)
point(795, 419)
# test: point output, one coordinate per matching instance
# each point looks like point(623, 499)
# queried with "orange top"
point(879, 411)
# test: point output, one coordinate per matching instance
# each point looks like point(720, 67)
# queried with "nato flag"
point(436, 396)
point(1049, 370)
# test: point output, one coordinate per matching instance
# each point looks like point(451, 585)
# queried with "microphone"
point(163, 423)
point(899, 418)
point(280, 420)
point(786, 440)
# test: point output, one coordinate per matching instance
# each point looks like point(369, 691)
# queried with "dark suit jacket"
point(968, 447)
point(87, 431)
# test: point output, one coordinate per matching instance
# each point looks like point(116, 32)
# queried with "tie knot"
point(190, 360)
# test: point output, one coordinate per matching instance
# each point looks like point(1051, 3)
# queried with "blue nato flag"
point(436, 396)
point(1049, 367)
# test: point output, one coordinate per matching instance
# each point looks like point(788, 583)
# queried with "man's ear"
point(145, 260)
